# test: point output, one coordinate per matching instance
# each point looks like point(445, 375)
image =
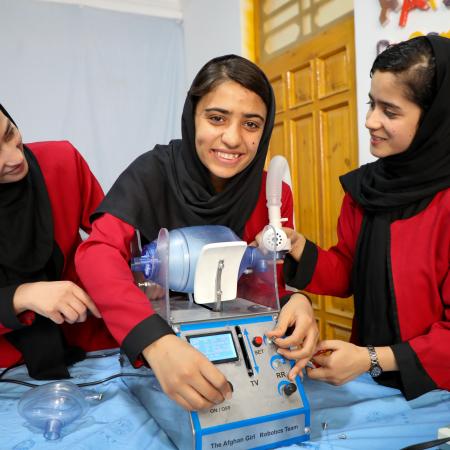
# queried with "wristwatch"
point(375, 368)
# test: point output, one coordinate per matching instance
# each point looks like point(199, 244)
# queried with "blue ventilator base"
point(266, 410)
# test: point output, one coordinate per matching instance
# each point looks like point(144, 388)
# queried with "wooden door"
point(315, 129)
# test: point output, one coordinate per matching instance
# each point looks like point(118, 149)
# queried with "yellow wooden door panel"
point(301, 85)
point(342, 307)
point(337, 159)
point(279, 91)
point(337, 330)
point(315, 129)
point(319, 323)
point(332, 73)
point(278, 144)
point(307, 183)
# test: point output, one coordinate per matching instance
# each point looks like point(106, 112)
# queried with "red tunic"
point(420, 259)
point(74, 194)
point(102, 263)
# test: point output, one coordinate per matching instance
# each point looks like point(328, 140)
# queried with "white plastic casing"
point(230, 253)
point(282, 243)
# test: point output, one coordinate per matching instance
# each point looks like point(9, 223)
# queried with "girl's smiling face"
point(392, 119)
point(229, 122)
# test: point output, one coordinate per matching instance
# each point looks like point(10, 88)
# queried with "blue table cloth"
point(360, 415)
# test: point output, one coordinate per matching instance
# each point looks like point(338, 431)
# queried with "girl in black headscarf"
point(213, 175)
point(393, 251)
point(47, 193)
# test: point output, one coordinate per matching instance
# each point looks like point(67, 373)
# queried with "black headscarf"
point(393, 188)
point(26, 238)
point(28, 253)
point(170, 187)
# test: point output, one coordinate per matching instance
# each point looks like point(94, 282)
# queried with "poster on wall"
point(395, 13)
point(380, 23)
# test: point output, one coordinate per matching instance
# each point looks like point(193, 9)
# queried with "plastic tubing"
point(277, 173)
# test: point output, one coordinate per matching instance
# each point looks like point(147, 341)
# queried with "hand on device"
point(300, 345)
point(185, 374)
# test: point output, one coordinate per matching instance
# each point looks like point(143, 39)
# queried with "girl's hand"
point(298, 242)
point(154, 291)
point(185, 374)
point(339, 362)
point(300, 345)
point(60, 301)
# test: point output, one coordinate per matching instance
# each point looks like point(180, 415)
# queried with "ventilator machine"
point(221, 296)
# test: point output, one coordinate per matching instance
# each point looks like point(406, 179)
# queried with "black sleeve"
point(415, 380)
point(143, 334)
point(299, 274)
point(8, 317)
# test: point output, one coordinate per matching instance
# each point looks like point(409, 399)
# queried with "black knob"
point(289, 389)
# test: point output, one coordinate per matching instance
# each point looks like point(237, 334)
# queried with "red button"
point(257, 341)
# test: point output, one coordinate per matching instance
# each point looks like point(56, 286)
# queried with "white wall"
point(112, 83)
point(211, 28)
point(368, 31)
point(48, 56)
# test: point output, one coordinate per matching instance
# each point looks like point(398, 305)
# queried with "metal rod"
point(218, 290)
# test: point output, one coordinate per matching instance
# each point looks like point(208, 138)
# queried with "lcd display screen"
point(217, 347)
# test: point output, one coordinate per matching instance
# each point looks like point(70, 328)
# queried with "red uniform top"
point(74, 194)
point(102, 263)
point(420, 259)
